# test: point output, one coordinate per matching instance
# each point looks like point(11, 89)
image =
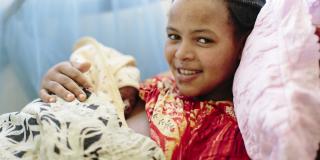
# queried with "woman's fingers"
point(64, 81)
point(81, 66)
point(46, 97)
point(75, 75)
point(71, 79)
point(59, 90)
point(45, 87)
point(71, 86)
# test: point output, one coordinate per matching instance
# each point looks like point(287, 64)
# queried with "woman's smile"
point(185, 75)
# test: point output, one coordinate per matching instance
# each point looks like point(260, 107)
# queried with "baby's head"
point(205, 41)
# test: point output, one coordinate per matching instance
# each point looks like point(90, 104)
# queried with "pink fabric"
point(277, 85)
point(314, 6)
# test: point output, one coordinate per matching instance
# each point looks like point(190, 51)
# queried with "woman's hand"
point(65, 80)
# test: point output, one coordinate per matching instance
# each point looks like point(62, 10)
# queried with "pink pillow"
point(314, 6)
point(277, 85)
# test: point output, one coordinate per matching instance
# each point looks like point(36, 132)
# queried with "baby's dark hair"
point(243, 14)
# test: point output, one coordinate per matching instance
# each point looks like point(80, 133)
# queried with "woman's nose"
point(184, 51)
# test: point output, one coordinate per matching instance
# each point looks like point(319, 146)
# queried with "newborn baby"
point(94, 129)
point(110, 71)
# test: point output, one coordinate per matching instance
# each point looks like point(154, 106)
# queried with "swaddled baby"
point(94, 129)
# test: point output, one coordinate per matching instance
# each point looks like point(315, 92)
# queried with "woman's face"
point(201, 49)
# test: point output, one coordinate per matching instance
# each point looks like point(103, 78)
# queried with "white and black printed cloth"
point(71, 130)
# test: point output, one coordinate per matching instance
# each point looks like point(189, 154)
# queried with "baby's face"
point(201, 48)
point(129, 96)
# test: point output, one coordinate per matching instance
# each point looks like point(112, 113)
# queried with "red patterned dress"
point(188, 129)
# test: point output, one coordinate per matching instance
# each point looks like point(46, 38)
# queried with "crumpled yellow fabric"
point(110, 70)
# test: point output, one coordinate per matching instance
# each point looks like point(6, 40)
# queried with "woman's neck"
point(222, 93)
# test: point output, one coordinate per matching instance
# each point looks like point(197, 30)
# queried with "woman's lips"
point(187, 75)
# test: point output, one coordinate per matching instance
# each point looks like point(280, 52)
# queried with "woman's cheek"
point(169, 52)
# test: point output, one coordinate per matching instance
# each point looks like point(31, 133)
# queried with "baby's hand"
point(130, 97)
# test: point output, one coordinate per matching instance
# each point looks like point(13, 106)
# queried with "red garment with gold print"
point(188, 129)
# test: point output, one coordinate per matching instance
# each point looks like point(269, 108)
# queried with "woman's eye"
point(173, 37)
point(205, 40)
